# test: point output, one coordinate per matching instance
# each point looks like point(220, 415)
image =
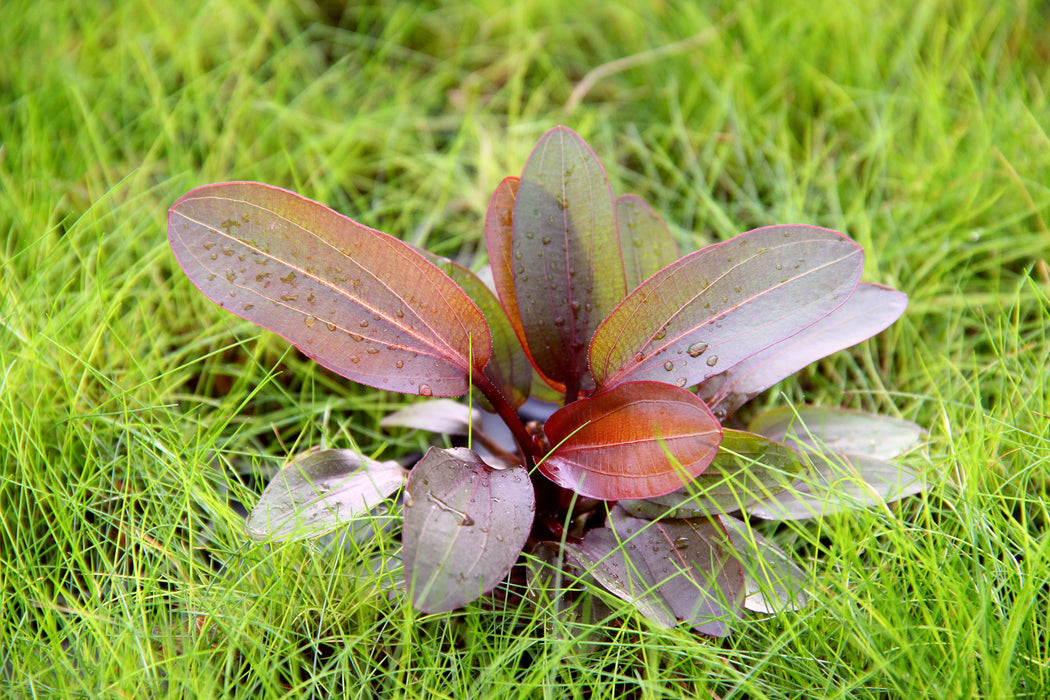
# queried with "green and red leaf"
point(356, 300)
point(565, 255)
point(508, 367)
point(637, 440)
point(647, 243)
point(722, 304)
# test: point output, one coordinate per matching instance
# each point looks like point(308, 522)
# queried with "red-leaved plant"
point(632, 480)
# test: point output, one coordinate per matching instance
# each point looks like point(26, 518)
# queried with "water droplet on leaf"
point(425, 390)
point(712, 361)
point(697, 349)
point(669, 366)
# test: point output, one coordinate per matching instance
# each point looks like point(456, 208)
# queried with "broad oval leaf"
point(601, 555)
point(838, 483)
point(718, 306)
point(359, 302)
point(465, 524)
point(747, 468)
point(647, 243)
point(671, 570)
point(637, 440)
point(838, 430)
point(773, 583)
point(320, 491)
point(566, 258)
point(870, 310)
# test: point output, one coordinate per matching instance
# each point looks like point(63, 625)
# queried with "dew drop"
point(681, 543)
point(697, 349)
point(639, 356)
point(209, 245)
point(712, 361)
point(289, 297)
point(310, 321)
point(425, 390)
point(230, 275)
point(214, 256)
point(680, 381)
point(669, 366)
point(559, 321)
point(399, 313)
point(530, 234)
point(399, 364)
point(329, 325)
point(546, 240)
point(779, 266)
point(289, 278)
point(372, 351)
point(355, 359)
point(249, 307)
point(363, 324)
point(660, 334)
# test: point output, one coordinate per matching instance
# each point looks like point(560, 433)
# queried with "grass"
point(132, 410)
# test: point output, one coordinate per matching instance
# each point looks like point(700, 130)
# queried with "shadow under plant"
point(630, 480)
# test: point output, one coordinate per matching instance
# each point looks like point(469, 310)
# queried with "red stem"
point(521, 436)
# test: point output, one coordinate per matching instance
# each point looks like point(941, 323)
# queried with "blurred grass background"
point(132, 409)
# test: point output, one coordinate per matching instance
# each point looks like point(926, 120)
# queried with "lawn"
point(137, 418)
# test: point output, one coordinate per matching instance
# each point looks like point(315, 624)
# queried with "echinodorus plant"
point(624, 471)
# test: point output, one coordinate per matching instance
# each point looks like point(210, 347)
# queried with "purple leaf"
point(838, 483)
point(773, 582)
point(720, 305)
point(319, 491)
point(671, 570)
point(360, 302)
point(465, 524)
point(870, 310)
point(839, 430)
point(443, 416)
point(601, 555)
point(567, 266)
point(748, 467)
point(647, 243)
point(847, 452)
point(637, 440)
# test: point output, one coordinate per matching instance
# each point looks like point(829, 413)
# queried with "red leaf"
point(360, 302)
point(720, 305)
point(637, 440)
point(566, 259)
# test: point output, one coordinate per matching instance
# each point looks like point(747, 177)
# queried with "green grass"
point(132, 409)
